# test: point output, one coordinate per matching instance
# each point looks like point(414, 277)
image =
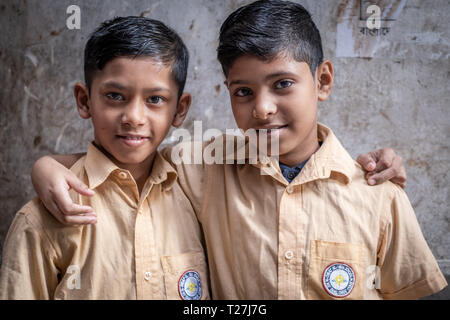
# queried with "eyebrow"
point(268, 77)
point(278, 74)
point(119, 86)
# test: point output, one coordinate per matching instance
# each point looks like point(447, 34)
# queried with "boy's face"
point(132, 103)
point(280, 95)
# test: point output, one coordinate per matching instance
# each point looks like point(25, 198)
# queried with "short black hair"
point(267, 28)
point(134, 37)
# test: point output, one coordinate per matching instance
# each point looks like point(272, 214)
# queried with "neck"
point(139, 171)
point(303, 151)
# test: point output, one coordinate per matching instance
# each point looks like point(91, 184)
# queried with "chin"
point(130, 159)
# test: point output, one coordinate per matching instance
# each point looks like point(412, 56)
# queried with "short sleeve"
point(408, 269)
point(27, 270)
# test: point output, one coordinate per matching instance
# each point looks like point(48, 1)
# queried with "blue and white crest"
point(338, 279)
point(190, 286)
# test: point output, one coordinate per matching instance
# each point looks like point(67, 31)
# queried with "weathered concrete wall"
point(398, 98)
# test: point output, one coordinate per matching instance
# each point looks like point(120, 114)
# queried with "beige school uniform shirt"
point(146, 246)
point(325, 235)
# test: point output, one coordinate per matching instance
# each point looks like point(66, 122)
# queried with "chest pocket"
point(186, 276)
point(336, 270)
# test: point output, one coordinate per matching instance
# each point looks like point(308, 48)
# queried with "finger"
point(79, 220)
point(367, 161)
point(400, 179)
point(67, 206)
point(70, 220)
point(392, 171)
point(54, 210)
point(77, 185)
point(381, 177)
point(385, 159)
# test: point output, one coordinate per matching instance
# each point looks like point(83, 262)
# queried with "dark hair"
point(134, 37)
point(267, 28)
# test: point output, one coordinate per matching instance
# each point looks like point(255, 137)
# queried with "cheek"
point(242, 116)
point(160, 122)
point(101, 125)
point(105, 120)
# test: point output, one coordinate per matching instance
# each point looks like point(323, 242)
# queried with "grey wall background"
point(399, 98)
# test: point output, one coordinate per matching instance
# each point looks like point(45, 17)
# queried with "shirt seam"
point(38, 227)
point(408, 292)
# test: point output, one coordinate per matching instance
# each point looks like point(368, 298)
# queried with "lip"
point(272, 126)
point(272, 129)
point(133, 140)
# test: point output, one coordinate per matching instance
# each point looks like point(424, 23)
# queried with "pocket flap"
point(175, 264)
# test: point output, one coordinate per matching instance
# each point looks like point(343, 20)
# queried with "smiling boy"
point(322, 232)
point(147, 244)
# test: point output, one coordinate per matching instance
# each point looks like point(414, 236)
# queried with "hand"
point(382, 165)
point(52, 182)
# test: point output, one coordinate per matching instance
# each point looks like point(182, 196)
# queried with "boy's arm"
point(408, 269)
point(52, 181)
point(28, 268)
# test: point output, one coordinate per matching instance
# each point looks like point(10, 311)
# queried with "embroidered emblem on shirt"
point(338, 279)
point(190, 286)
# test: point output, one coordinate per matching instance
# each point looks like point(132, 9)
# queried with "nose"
point(264, 106)
point(133, 114)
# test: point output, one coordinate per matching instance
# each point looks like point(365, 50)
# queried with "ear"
point(325, 80)
point(182, 109)
point(81, 93)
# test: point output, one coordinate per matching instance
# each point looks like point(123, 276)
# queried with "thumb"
point(78, 186)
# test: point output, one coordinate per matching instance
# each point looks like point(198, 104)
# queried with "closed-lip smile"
point(270, 127)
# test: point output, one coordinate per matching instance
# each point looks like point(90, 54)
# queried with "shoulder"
point(379, 197)
point(358, 179)
point(35, 216)
point(33, 222)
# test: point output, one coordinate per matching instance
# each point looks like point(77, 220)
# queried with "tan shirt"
point(326, 235)
point(146, 246)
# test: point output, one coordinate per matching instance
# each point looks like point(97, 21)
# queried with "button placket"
point(289, 254)
point(289, 264)
point(147, 275)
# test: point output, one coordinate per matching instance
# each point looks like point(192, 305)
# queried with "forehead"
point(137, 72)
point(250, 67)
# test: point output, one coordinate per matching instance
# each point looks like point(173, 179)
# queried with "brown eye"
point(155, 100)
point(242, 92)
point(283, 84)
point(115, 96)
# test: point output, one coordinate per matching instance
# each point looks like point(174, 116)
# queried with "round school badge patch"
point(338, 279)
point(190, 286)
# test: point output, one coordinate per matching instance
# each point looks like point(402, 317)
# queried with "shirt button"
point(291, 175)
point(289, 189)
point(147, 275)
point(123, 175)
point(289, 254)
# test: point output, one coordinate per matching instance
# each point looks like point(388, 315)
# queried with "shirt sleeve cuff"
point(425, 287)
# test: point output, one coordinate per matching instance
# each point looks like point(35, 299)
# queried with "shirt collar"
point(331, 160)
point(99, 167)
